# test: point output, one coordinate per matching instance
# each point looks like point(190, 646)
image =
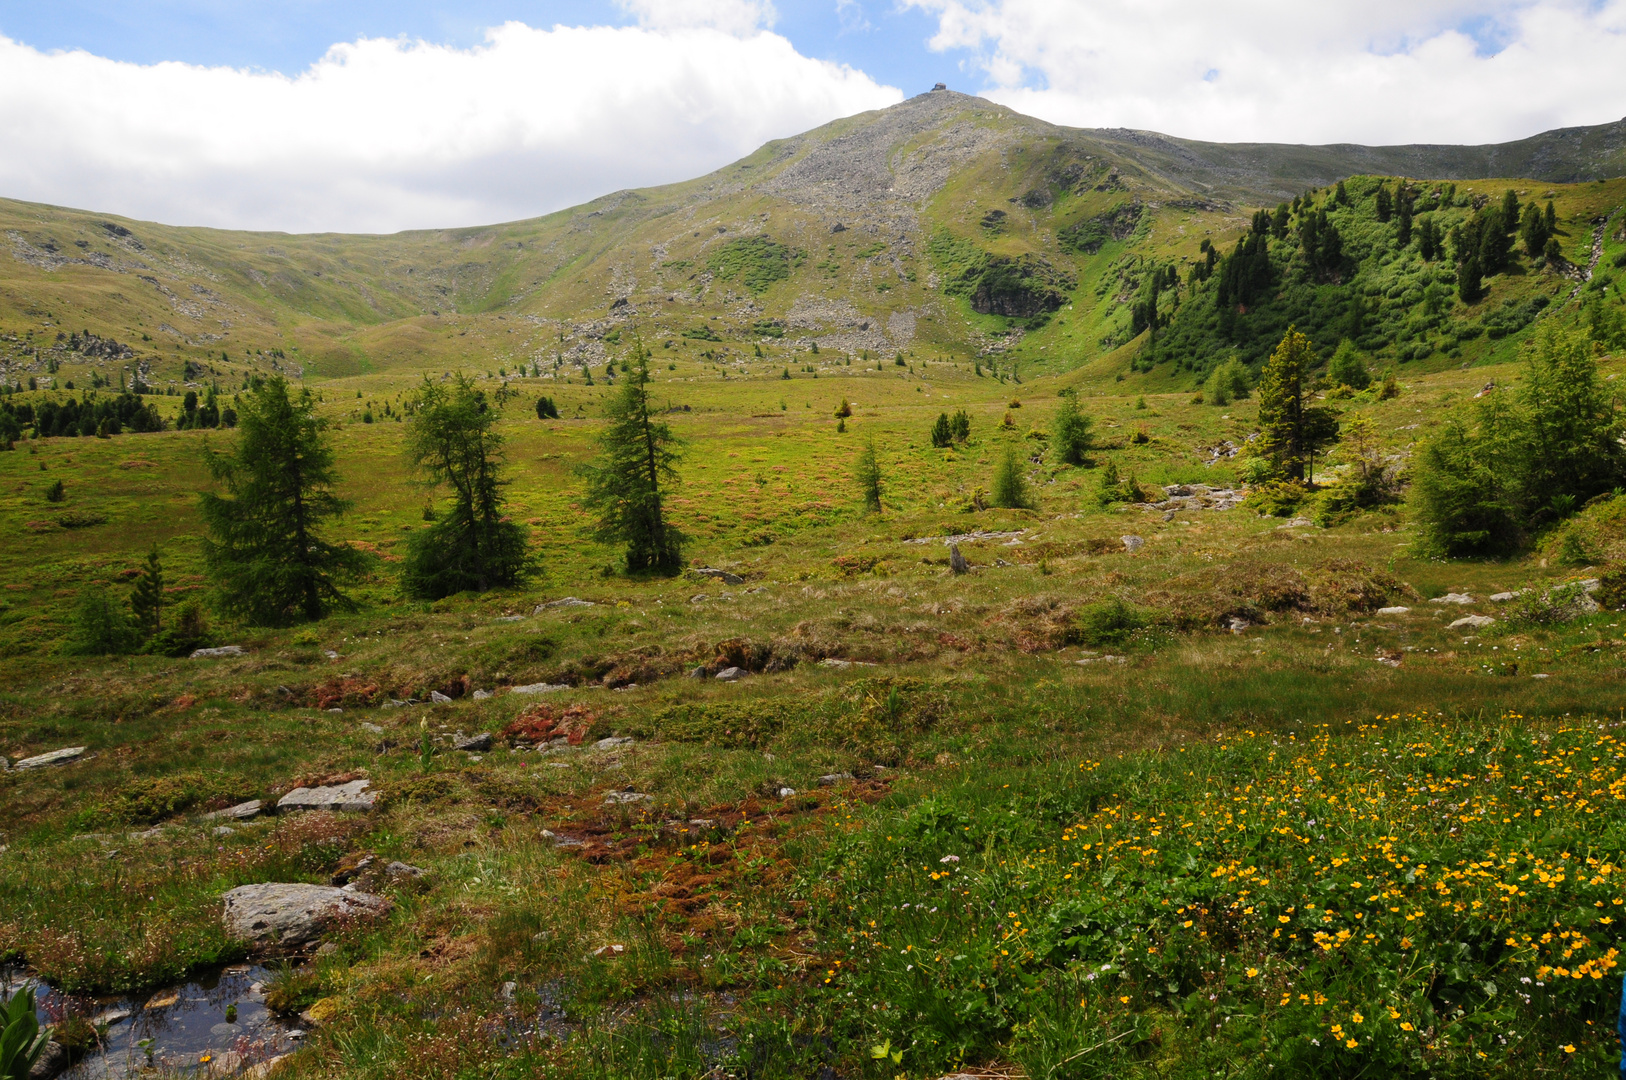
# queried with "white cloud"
point(1383, 71)
point(730, 16)
point(389, 134)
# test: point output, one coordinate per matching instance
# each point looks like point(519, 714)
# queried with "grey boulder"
point(241, 812)
point(731, 674)
point(475, 744)
point(53, 1059)
point(55, 757)
point(1132, 544)
point(292, 915)
point(224, 650)
point(1473, 622)
point(351, 796)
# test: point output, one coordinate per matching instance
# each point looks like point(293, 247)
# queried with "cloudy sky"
point(377, 115)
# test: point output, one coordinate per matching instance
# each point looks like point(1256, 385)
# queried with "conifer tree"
point(1470, 284)
point(1428, 238)
point(1550, 219)
point(636, 456)
point(1510, 211)
point(1533, 231)
point(1070, 431)
point(147, 597)
point(266, 552)
point(942, 432)
point(1403, 207)
point(1385, 205)
point(867, 472)
point(1279, 223)
point(961, 425)
point(1291, 431)
point(1348, 367)
point(451, 440)
point(1010, 486)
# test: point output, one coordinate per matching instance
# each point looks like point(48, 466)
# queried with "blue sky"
point(290, 35)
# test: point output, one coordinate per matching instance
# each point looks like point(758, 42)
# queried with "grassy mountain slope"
point(945, 226)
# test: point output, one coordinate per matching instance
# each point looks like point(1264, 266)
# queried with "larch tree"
point(1290, 430)
point(267, 552)
point(636, 456)
point(473, 546)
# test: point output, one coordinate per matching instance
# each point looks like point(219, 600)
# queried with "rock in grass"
point(54, 1059)
point(1473, 622)
point(539, 688)
point(1393, 610)
point(55, 757)
point(565, 602)
point(241, 812)
point(832, 779)
point(224, 650)
point(957, 561)
point(351, 796)
point(1132, 544)
point(731, 674)
point(400, 870)
point(721, 575)
point(292, 915)
point(622, 798)
point(474, 744)
point(1453, 598)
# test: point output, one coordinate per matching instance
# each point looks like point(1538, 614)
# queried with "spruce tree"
point(1533, 231)
point(1010, 485)
point(451, 441)
point(1510, 211)
point(266, 551)
point(942, 431)
point(960, 423)
point(1572, 429)
point(1385, 205)
point(867, 472)
point(1348, 367)
point(1550, 219)
point(1070, 431)
point(636, 456)
point(1291, 431)
point(1428, 238)
point(147, 597)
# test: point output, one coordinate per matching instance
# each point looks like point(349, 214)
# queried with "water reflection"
point(184, 1027)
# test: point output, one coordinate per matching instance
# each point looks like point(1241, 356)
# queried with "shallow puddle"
point(182, 1027)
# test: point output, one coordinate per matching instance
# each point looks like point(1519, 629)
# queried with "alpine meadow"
point(946, 595)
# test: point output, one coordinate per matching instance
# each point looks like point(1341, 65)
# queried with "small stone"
point(1476, 622)
point(398, 869)
point(832, 662)
point(731, 674)
point(438, 698)
point(223, 650)
point(336, 710)
point(832, 779)
point(478, 744)
point(1238, 624)
point(1502, 597)
point(55, 757)
point(1132, 544)
point(605, 744)
point(786, 792)
point(351, 796)
point(327, 948)
point(696, 672)
point(721, 575)
point(611, 950)
point(163, 999)
point(1453, 598)
point(508, 991)
point(1297, 523)
point(111, 1017)
point(374, 728)
point(330, 654)
point(957, 561)
point(222, 830)
point(483, 695)
point(622, 798)
point(1394, 610)
point(539, 688)
point(509, 618)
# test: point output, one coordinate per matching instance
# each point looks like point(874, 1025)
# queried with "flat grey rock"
point(1453, 598)
point(1132, 544)
point(222, 830)
point(1394, 610)
point(721, 575)
point(564, 602)
point(482, 695)
point(400, 869)
point(539, 688)
point(622, 798)
point(373, 728)
point(292, 914)
point(731, 674)
point(55, 757)
point(351, 796)
point(438, 698)
point(832, 779)
point(509, 618)
point(613, 741)
point(223, 650)
point(241, 812)
point(1475, 622)
point(476, 744)
point(1502, 597)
